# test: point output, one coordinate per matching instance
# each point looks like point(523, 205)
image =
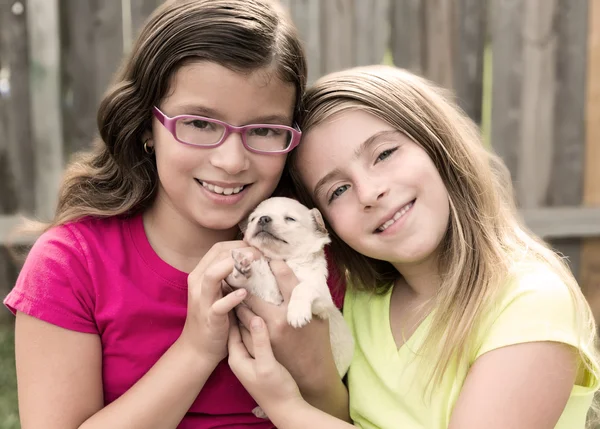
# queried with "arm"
point(60, 383)
point(305, 352)
point(271, 385)
point(523, 386)
point(59, 371)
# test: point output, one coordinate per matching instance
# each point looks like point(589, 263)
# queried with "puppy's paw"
point(299, 313)
point(258, 412)
point(242, 262)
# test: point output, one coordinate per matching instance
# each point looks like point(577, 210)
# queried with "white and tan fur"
point(284, 229)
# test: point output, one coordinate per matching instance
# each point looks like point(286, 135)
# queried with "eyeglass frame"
point(169, 123)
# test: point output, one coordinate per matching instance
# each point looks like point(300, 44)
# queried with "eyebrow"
point(198, 110)
point(364, 146)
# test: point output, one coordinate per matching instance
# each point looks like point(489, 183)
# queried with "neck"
point(180, 241)
point(422, 278)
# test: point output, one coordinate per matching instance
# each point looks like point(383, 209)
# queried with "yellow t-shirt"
point(387, 386)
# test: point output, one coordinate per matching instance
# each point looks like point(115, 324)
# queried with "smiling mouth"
point(396, 216)
point(266, 234)
point(219, 190)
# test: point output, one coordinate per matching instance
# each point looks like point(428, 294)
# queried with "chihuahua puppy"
point(282, 228)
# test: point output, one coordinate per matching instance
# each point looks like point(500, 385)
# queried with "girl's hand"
point(207, 324)
point(269, 383)
point(305, 352)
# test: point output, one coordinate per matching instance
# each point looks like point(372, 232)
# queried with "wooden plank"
point(92, 47)
point(440, 52)
point(547, 222)
point(17, 185)
point(408, 35)
point(537, 112)
point(44, 50)
point(470, 26)
point(307, 17)
point(507, 70)
point(566, 181)
point(590, 254)
point(562, 222)
point(337, 35)
point(372, 36)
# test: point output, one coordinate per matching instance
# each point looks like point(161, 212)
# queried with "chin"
point(219, 223)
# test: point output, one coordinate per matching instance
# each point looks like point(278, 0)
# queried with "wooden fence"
point(527, 70)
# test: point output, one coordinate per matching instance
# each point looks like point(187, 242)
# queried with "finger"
point(244, 315)
point(247, 340)
point(285, 277)
point(218, 251)
point(224, 305)
point(213, 277)
point(263, 352)
point(236, 348)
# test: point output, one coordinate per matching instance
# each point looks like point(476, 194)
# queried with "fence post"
point(590, 255)
point(17, 191)
point(46, 106)
point(566, 181)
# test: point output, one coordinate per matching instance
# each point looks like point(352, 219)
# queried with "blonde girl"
point(463, 319)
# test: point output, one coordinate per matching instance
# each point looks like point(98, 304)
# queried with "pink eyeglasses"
point(207, 133)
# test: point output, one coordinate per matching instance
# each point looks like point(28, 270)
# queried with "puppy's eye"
point(252, 219)
point(290, 219)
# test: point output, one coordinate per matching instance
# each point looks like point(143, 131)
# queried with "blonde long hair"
point(116, 177)
point(485, 236)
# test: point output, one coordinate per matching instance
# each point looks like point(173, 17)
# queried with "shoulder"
point(534, 304)
point(532, 286)
point(58, 281)
point(76, 238)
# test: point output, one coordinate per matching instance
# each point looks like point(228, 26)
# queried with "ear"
point(318, 221)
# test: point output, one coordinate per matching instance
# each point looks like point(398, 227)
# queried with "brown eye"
point(290, 219)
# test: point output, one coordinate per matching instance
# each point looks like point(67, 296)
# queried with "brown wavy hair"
point(486, 240)
point(116, 177)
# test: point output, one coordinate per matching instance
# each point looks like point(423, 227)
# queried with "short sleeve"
point(54, 284)
point(537, 307)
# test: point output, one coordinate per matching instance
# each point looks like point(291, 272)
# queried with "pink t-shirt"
point(101, 276)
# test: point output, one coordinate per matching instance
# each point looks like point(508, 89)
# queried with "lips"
point(223, 189)
point(401, 212)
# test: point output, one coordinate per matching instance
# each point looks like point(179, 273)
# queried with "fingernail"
point(256, 324)
point(240, 292)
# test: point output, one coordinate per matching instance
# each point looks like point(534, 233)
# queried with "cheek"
point(343, 224)
point(269, 168)
point(173, 160)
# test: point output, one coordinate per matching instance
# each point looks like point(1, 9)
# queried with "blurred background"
point(527, 71)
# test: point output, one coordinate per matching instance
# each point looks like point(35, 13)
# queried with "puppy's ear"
point(318, 221)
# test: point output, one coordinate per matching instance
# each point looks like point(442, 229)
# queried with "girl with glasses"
point(121, 321)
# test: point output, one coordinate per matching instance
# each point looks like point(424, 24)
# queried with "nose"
point(231, 156)
point(263, 220)
point(371, 192)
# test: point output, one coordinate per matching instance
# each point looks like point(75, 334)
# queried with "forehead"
point(234, 96)
point(332, 143)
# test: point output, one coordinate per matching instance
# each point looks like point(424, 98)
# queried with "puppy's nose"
point(263, 220)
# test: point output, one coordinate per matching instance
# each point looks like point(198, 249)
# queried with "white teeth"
point(394, 218)
point(222, 191)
